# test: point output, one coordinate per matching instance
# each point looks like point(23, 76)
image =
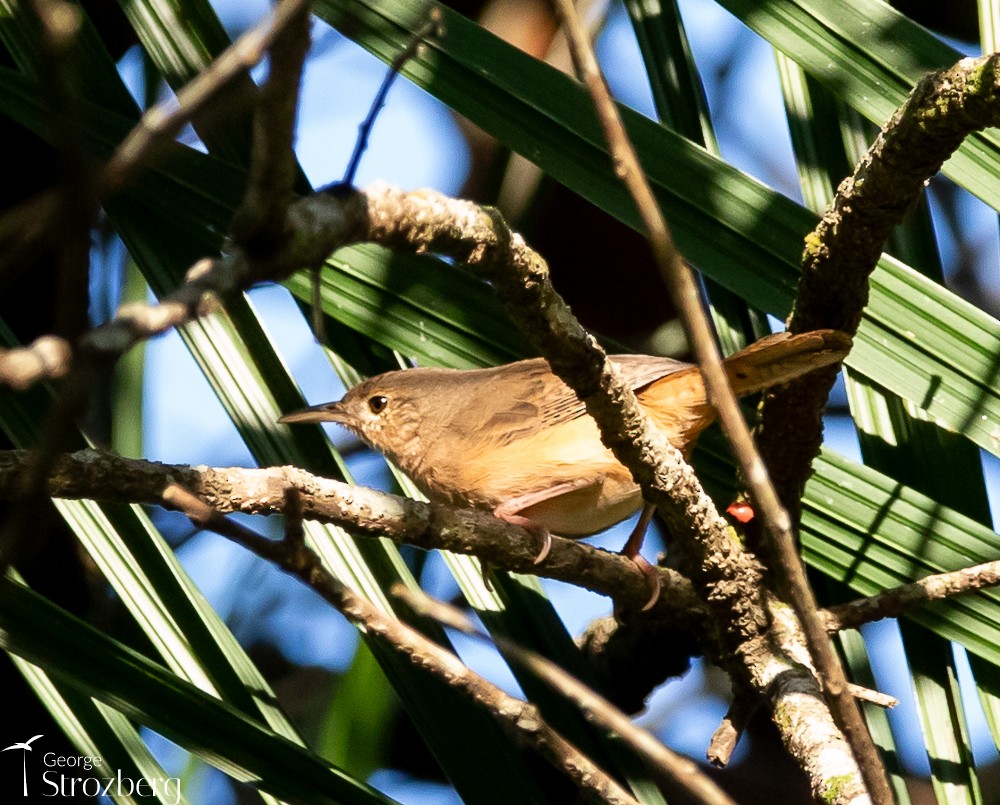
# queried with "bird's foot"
point(652, 574)
point(631, 551)
point(533, 527)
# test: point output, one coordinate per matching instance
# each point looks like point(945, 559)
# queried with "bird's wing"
point(560, 403)
point(508, 410)
point(525, 396)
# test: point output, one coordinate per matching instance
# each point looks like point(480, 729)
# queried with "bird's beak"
point(326, 412)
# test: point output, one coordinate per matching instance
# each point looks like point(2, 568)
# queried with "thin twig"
point(876, 697)
point(684, 292)
point(165, 120)
point(432, 28)
point(523, 718)
point(899, 600)
point(667, 765)
point(261, 223)
point(46, 358)
point(734, 724)
point(316, 305)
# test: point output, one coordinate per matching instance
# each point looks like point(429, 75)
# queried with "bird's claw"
point(536, 529)
point(652, 574)
point(546, 539)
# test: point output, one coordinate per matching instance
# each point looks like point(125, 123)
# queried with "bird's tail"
point(782, 357)
point(679, 403)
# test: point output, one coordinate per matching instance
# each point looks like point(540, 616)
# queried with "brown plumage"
point(516, 440)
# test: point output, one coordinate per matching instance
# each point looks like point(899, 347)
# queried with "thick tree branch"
point(361, 511)
point(776, 522)
point(843, 250)
point(104, 476)
point(521, 718)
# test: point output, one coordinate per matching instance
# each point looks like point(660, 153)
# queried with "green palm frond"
point(925, 362)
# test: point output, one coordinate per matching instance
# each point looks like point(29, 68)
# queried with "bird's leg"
point(631, 550)
point(510, 510)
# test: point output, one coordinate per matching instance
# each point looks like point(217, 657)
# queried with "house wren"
point(517, 441)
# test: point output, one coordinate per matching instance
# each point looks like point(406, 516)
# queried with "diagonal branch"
point(521, 718)
point(899, 600)
point(163, 122)
point(366, 512)
point(777, 524)
point(663, 762)
point(843, 250)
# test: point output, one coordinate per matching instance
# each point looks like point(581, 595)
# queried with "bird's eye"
point(378, 403)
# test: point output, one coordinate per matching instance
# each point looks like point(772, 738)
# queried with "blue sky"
point(416, 143)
